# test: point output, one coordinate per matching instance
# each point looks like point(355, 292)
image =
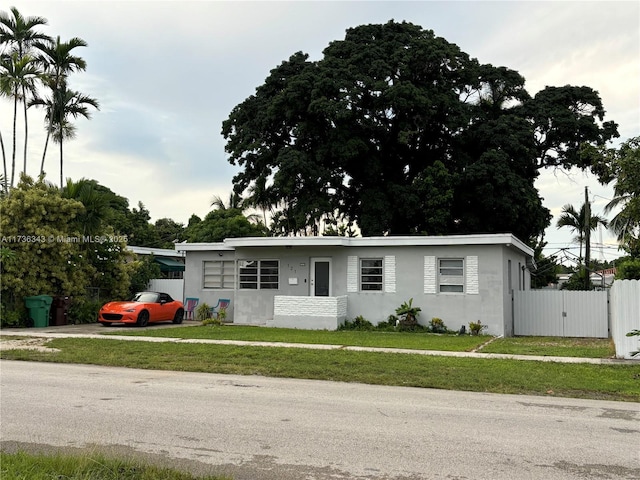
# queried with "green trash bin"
point(39, 306)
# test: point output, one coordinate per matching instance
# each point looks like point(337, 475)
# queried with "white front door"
point(321, 277)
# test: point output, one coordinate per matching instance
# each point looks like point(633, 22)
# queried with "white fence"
point(172, 286)
point(561, 313)
point(625, 316)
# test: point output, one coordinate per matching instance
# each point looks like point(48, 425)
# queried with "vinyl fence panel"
point(538, 313)
point(561, 313)
point(625, 316)
point(172, 286)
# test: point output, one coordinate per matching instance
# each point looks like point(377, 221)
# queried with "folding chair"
point(223, 303)
point(190, 305)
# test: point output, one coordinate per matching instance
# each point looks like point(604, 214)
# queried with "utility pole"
point(587, 238)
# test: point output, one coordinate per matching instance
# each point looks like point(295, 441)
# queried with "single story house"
point(318, 282)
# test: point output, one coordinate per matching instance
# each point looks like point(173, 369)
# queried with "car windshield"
point(145, 297)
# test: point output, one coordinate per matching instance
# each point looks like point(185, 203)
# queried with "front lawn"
point(546, 346)
point(611, 382)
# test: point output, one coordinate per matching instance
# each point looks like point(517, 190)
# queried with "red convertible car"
point(144, 308)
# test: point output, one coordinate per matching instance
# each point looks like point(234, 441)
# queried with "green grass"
point(612, 382)
point(415, 341)
point(553, 346)
point(24, 466)
point(545, 346)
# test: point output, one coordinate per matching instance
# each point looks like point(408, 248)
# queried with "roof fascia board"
point(231, 244)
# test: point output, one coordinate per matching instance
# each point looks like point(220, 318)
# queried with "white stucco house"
point(318, 282)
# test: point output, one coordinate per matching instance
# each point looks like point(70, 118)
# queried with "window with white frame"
point(371, 274)
point(451, 275)
point(218, 274)
point(259, 274)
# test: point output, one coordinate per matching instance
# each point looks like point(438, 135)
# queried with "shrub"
point(408, 314)
point(389, 325)
point(358, 323)
point(203, 312)
point(475, 328)
point(11, 318)
point(436, 325)
point(83, 310)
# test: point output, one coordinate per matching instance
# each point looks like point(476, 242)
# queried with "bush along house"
point(318, 282)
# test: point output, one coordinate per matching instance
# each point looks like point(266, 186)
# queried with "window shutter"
point(390, 274)
point(430, 274)
point(472, 286)
point(352, 273)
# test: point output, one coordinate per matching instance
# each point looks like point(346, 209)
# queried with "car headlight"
point(131, 310)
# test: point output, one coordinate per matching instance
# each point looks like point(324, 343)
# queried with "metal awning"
point(169, 264)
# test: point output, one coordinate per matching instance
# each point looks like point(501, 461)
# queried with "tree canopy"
point(400, 132)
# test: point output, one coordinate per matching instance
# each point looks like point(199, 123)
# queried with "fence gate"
point(561, 313)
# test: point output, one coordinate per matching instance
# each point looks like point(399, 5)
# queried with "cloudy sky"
point(167, 74)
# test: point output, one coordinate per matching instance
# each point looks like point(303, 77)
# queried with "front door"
point(320, 277)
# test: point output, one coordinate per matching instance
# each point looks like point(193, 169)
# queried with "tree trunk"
point(4, 164)
point(44, 154)
point(13, 155)
point(61, 183)
point(26, 128)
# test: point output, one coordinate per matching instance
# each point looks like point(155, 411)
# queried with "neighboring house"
point(601, 279)
point(318, 282)
point(171, 262)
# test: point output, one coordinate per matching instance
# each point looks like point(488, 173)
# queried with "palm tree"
point(18, 33)
point(68, 103)
point(96, 204)
point(576, 221)
point(235, 201)
point(18, 75)
point(58, 62)
point(627, 193)
point(258, 198)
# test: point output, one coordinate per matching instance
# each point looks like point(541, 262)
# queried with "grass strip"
point(24, 466)
point(611, 382)
point(553, 346)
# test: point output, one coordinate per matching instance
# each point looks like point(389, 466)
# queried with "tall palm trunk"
point(26, 128)
point(4, 164)
point(13, 153)
point(61, 183)
point(44, 154)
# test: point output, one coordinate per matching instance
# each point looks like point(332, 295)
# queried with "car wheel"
point(177, 318)
point(143, 319)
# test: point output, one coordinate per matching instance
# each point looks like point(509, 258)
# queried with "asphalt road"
point(257, 428)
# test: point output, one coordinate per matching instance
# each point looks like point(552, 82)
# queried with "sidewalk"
point(92, 331)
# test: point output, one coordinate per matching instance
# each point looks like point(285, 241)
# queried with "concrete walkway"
point(91, 331)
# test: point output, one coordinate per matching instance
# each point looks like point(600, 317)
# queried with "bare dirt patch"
point(26, 344)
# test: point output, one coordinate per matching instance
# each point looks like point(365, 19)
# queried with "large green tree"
point(401, 132)
point(37, 224)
